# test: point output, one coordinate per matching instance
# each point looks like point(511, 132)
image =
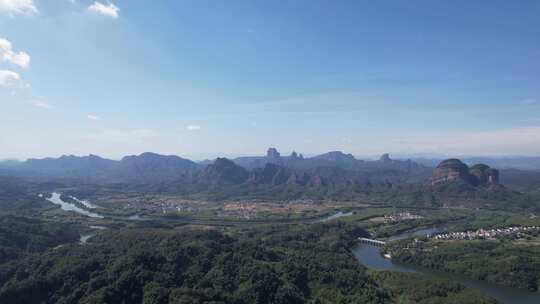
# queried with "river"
point(55, 199)
point(85, 237)
point(369, 256)
point(67, 206)
point(334, 216)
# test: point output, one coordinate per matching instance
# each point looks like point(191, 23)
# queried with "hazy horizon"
point(119, 77)
point(211, 156)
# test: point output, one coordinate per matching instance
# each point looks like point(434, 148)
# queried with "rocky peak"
point(224, 170)
point(273, 153)
point(452, 170)
point(484, 174)
point(385, 158)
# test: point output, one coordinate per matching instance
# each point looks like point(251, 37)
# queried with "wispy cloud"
point(18, 7)
point(40, 104)
point(92, 117)
point(109, 10)
point(9, 78)
point(193, 127)
point(7, 54)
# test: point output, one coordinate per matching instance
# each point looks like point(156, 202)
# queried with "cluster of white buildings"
point(484, 233)
point(161, 206)
point(402, 216)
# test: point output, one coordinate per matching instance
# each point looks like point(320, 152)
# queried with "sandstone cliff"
point(452, 170)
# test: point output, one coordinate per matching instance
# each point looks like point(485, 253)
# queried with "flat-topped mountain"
point(502, 162)
point(452, 170)
point(336, 156)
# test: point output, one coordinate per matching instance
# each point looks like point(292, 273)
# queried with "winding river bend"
point(55, 199)
point(67, 206)
point(369, 256)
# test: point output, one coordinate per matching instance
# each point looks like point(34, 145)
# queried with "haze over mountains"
point(154, 168)
point(330, 176)
point(503, 162)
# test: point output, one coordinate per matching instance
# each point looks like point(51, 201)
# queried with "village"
point(238, 209)
point(485, 233)
point(401, 216)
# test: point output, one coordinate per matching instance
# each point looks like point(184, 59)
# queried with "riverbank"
point(370, 257)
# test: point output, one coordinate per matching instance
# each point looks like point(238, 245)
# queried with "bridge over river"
point(371, 242)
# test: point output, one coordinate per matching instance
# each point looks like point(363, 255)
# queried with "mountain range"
point(155, 168)
point(144, 168)
point(334, 175)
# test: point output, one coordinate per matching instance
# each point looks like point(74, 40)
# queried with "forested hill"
point(305, 264)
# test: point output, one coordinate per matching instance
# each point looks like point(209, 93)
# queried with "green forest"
point(186, 264)
point(504, 262)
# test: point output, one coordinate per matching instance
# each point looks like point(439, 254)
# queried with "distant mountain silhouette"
point(144, 168)
point(334, 175)
point(225, 179)
point(332, 159)
point(68, 166)
point(223, 172)
point(153, 168)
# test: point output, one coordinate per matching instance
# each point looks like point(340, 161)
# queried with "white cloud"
point(18, 7)
point(9, 78)
point(40, 104)
point(92, 117)
point(193, 127)
point(109, 10)
point(7, 54)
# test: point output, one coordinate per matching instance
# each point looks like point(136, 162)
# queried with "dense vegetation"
point(20, 235)
point(155, 262)
point(505, 262)
point(407, 288)
point(15, 197)
point(303, 264)
point(22, 231)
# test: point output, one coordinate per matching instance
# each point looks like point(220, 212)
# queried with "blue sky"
point(207, 78)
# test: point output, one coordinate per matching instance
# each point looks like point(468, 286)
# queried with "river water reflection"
point(55, 199)
point(370, 257)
